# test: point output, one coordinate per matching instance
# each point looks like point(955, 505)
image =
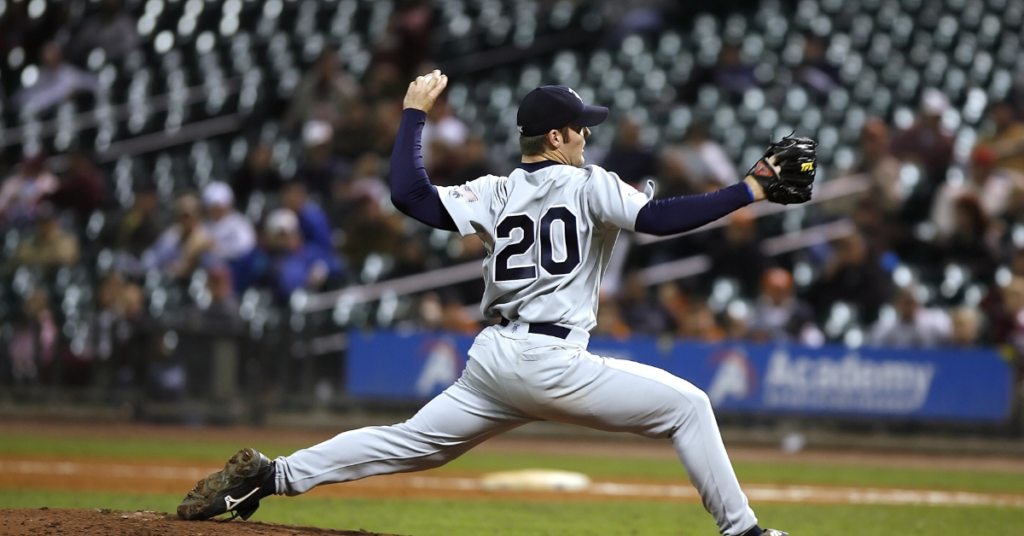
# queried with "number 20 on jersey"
point(502, 269)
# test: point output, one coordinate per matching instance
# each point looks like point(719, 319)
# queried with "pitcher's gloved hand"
point(786, 171)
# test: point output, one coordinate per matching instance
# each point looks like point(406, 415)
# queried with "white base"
point(535, 480)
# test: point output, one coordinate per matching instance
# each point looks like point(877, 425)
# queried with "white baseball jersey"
point(549, 235)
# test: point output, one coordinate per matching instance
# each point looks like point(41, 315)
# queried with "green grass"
point(215, 452)
point(513, 518)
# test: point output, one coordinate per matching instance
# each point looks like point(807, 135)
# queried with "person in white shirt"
point(912, 326)
point(57, 82)
point(21, 193)
point(993, 186)
point(444, 129)
point(233, 234)
point(698, 162)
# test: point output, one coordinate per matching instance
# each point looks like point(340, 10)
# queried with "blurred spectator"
point(436, 312)
point(222, 311)
point(700, 324)
point(476, 162)
point(430, 312)
point(639, 17)
point(736, 252)
point(49, 247)
point(736, 321)
point(386, 118)
point(57, 82)
point(135, 341)
point(928, 146)
point(880, 166)
point(443, 133)
point(232, 233)
point(641, 312)
point(966, 323)
point(356, 136)
point(779, 316)
point(326, 93)
point(1007, 139)
point(1008, 315)
point(183, 246)
point(369, 229)
point(257, 174)
point(675, 304)
point(293, 263)
point(457, 319)
point(815, 72)
point(970, 244)
point(320, 168)
point(697, 165)
point(912, 326)
point(313, 222)
point(364, 183)
point(853, 275)
point(411, 258)
point(98, 341)
point(992, 186)
point(872, 223)
point(632, 162)
point(33, 346)
point(111, 29)
point(30, 32)
point(136, 229)
point(81, 188)
point(22, 191)
point(407, 40)
point(609, 320)
point(384, 82)
point(732, 74)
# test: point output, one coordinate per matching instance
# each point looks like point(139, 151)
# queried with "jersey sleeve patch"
point(464, 193)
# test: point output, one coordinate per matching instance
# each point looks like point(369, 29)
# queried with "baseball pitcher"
point(549, 228)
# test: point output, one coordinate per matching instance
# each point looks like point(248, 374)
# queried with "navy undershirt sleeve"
point(411, 191)
point(676, 215)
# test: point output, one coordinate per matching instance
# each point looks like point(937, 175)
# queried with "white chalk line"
point(755, 492)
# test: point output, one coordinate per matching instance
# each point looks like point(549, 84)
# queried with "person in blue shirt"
point(291, 262)
point(313, 222)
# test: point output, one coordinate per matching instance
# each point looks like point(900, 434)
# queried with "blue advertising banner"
point(952, 385)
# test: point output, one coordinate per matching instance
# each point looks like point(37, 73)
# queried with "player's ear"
point(554, 138)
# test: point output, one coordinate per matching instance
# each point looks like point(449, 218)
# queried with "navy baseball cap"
point(550, 108)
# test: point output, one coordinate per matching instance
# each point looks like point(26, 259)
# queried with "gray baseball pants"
point(513, 378)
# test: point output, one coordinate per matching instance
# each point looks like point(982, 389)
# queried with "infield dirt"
point(57, 522)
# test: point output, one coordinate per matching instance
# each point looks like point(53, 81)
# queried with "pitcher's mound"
point(59, 522)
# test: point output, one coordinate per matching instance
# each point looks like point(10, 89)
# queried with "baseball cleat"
point(774, 532)
point(234, 489)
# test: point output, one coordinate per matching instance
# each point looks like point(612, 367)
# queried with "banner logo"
point(735, 377)
point(444, 363)
point(848, 384)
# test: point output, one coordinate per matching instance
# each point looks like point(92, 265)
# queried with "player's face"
point(572, 149)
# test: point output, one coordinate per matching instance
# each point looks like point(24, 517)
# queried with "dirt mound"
point(60, 522)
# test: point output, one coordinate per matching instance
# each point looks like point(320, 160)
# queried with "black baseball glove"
point(786, 171)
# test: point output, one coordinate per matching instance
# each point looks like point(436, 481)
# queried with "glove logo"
point(762, 170)
point(807, 166)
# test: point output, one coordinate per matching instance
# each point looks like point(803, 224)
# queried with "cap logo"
point(577, 95)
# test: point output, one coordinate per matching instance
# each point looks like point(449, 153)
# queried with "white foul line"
point(755, 492)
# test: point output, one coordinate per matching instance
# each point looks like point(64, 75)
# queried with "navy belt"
point(554, 330)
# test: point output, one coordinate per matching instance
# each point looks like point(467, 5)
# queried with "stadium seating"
point(160, 113)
